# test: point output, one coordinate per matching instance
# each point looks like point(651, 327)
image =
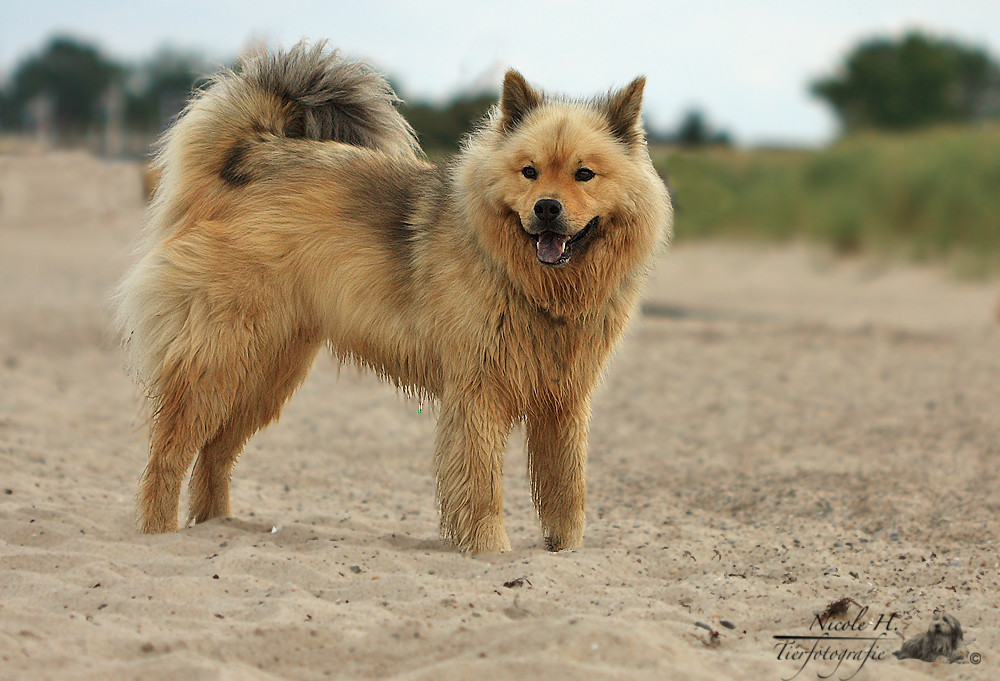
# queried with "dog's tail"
point(308, 92)
point(209, 154)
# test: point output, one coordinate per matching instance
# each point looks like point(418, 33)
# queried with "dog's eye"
point(529, 172)
point(584, 175)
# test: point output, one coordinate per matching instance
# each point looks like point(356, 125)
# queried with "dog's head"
point(564, 165)
point(566, 188)
point(945, 630)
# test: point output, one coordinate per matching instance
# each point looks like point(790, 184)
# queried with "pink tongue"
point(551, 247)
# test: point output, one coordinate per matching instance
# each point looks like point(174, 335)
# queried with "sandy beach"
point(781, 429)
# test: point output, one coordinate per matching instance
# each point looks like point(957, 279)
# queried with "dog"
point(943, 641)
point(296, 209)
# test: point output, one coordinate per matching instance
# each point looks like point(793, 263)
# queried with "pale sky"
point(746, 64)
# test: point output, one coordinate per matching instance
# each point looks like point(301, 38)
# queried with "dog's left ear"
point(517, 99)
point(624, 108)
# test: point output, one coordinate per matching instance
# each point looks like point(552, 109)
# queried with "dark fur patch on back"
point(386, 198)
point(234, 171)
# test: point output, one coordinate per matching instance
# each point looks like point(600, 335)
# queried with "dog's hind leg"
point(188, 413)
point(557, 462)
point(209, 487)
point(281, 372)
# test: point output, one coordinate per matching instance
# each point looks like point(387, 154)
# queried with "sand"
point(780, 429)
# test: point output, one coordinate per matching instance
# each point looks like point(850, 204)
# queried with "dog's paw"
point(563, 532)
point(489, 540)
point(484, 537)
point(554, 543)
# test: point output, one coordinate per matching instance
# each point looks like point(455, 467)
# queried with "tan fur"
point(423, 274)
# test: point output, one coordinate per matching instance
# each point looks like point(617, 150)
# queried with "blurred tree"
point(693, 130)
point(158, 89)
point(912, 82)
point(442, 127)
point(71, 75)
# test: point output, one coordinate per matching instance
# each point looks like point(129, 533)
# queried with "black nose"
point(547, 209)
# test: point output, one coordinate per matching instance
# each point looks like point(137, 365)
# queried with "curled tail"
point(308, 92)
point(324, 97)
point(304, 93)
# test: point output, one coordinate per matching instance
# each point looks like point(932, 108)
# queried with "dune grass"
point(928, 195)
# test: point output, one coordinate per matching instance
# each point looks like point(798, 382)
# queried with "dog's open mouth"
point(555, 249)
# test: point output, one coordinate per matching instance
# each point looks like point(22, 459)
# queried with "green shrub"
point(933, 194)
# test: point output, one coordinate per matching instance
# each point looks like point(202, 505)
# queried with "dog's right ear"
point(517, 99)
point(956, 631)
point(624, 108)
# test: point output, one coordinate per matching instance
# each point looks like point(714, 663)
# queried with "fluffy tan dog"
point(295, 210)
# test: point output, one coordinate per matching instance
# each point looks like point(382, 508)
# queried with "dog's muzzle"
point(554, 248)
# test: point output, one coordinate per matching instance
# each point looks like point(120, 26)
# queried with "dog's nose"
point(547, 209)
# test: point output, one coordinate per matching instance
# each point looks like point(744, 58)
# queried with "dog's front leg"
point(557, 466)
point(471, 435)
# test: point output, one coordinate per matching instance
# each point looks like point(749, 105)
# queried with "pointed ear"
point(624, 108)
point(517, 99)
